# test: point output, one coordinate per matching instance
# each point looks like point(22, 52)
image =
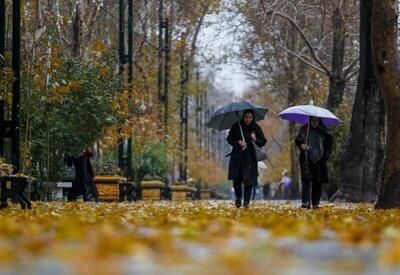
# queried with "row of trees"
point(339, 53)
point(315, 50)
point(74, 96)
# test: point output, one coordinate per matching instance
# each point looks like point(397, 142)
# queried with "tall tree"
point(334, 68)
point(362, 160)
point(294, 77)
point(387, 72)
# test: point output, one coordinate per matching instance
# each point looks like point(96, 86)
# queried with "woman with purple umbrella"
point(315, 144)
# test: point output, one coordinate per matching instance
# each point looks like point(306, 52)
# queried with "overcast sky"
point(213, 39)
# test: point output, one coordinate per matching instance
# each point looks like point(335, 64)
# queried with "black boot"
point(247, 195)
point(238, 203)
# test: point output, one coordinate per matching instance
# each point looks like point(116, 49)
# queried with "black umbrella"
point(226, 116)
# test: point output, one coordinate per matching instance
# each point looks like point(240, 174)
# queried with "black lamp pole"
point(167, 59)
point(121, 163)
point(2, 51)
point(16, 65)
point(130, 78)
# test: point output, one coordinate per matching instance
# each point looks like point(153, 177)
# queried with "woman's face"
point(315, 122)
point(248, 118)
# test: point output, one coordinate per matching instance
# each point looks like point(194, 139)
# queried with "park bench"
point(58, 189)
point(13, 187)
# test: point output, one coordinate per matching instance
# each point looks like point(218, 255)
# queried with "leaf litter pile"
point(207, 237)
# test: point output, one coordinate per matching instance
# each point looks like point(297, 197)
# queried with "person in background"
point(84, 184)
point(286, 183)
point(266, 190)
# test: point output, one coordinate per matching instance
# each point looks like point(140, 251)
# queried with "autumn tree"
point(334, 21)
point(296, 46)
point(362, 160)
point(384, 34)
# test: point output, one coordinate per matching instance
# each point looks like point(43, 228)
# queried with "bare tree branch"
point(349, 67)
point(304, 37)
point(59, 23)
point(197, 31)
point(301, 58)
point(351, 75)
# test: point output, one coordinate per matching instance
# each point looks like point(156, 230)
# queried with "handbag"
point(260, 153)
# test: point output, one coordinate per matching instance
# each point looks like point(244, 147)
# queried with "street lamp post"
point(11, 129)
point(16, 66)
point(2, 52)
point(121, 163)
point(130, 79)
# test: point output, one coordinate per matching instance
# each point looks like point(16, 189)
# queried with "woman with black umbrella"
point(243, 168)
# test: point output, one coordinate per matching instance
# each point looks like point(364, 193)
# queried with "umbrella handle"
point(308, 131)
point(240, 127)
point(306, 151)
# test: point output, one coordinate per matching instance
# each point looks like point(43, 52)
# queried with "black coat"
point(243, 163)
point(321, 166)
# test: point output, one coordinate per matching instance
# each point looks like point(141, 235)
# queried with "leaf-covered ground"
point(198, 238)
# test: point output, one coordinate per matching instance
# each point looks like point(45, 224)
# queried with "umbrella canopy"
point(227, 115)
point(302, 114)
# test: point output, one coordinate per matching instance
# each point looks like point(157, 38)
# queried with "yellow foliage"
point(6, 79)
point(98, 46)
point(74, 85)
point(26, 155)
point(103, 71)
point(180, 44)
point(114, 231)
point(110, 138)
point(391, 255)
point(277, 163)
point(62, 90)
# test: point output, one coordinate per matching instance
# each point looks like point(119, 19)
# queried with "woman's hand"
point(242, 143)
point(304, 147)
point(253, 136)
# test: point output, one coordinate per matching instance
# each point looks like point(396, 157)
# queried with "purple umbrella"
point(302, 114)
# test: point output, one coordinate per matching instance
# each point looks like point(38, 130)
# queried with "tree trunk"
point(293, 94)
point(336, 78)
point(76, 32)
point(387, 72)
point(362, 160)
point(293, 74)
